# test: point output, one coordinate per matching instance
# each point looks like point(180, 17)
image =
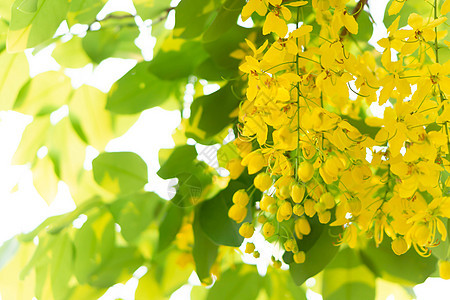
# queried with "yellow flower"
point(274, 22)
point(395, 7)
point(258, 6)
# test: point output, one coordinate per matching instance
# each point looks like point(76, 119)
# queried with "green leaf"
point(71, 54)
point(165, 277)
point(170, 225)
point(66, 151)
point(358, 42)
point(44, 179)
point(5, 9)
point(433, 127)
point(407, 269)
point(120, 172)
point(43, 94)
point(192, 16)
point(34, 22)
point(139, 90)
point(151, 9)
point(362, 126)
point(33, 138)
point(221, 48)
point(40, 255)
point(8, 250)
point(412, 6)
point(214, 220)
point(124, 261)
point(14, 75)
point(195, 184)
point(226, 153)
point(442, 250)
point(134, 213)
point(94, 244)
point(85, 243)
point(225, 19)
point(209, 70)
point(279, 285)
point(61, 267)
point(239, 282)
point(319, 249)
point(87, 114)
point(84, 11)
point(347, 278)
point(180, 159)
point(11, 285)
point(210, 114)
point(114, 39)
point(178, 62)
point(204, 251)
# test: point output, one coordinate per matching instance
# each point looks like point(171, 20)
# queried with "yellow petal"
point(445, 8)
point(350, 23)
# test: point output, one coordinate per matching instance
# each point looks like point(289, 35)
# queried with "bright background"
point(22, 208)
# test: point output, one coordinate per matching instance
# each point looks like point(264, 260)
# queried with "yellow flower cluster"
point(304, 93)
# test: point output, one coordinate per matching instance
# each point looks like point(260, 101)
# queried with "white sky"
point(21, 207)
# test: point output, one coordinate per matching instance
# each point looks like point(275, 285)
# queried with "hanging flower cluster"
point(301, 133)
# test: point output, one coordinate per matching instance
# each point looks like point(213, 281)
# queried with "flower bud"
point(319, 207)
point(297, 193)
point(277, 264)
point(249, 248)
point(237, 213)
point(309, 208)
point(298, 209)
point(305, 171)
point(324, 217)
point(421, 234)
point(444, 269)
point(265, 202)
point(268, 229)
point(262, 219)
point(247, 230)
point(235, 168)
point(328, 200)
point(302, 227)
point(290, 245)
point(299, 257)
point(240, 197)
point(354, 206)
point(263, 181)
point(399, 246)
